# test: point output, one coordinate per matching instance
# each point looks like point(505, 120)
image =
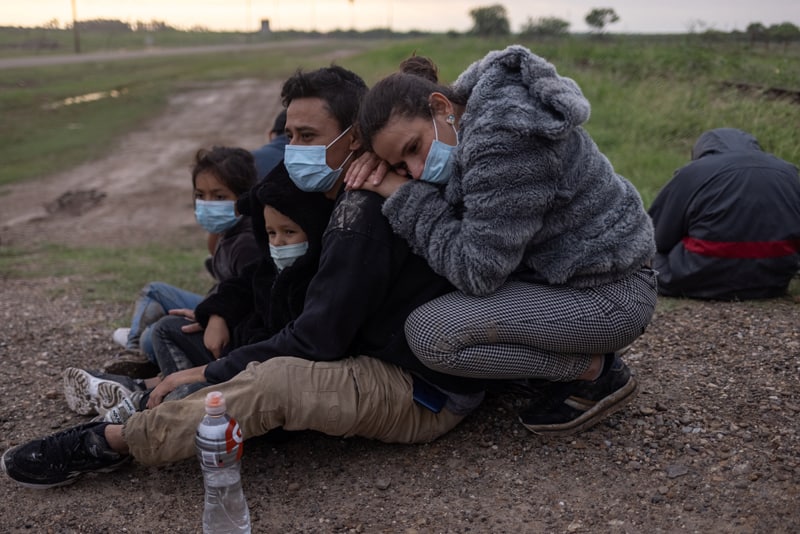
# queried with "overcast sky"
point(636, 16)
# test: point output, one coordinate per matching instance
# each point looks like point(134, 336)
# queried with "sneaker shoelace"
point(61, 449)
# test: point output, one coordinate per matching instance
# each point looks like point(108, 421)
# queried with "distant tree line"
point(783, 33)
point(117, 26)
point(492, 21)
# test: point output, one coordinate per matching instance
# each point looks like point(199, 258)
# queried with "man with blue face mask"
point(342, 367)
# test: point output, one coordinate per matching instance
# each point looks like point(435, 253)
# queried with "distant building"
point(265, 27)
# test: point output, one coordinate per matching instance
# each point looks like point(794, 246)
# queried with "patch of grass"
point(39, 136)
point(794, 286)
point(110, 277)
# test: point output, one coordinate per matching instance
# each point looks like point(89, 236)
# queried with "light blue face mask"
point(284, 255)
point(308, 167)
point(216, 216)
point(439, 163)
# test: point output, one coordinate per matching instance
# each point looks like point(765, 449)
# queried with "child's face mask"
point(216, 216)
point(285, 255)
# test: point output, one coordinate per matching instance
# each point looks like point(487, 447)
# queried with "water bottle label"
point(233, 439)
point(223, 449)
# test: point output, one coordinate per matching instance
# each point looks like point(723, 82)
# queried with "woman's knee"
point(420, 337)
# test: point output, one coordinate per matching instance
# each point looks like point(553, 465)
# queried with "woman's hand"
point(367, 169)
point(388, 185)
point(170, 382)
point(217, 336)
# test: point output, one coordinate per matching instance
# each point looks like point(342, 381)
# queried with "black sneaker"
point(59, 459)
point(577, 405)
point(131, 363)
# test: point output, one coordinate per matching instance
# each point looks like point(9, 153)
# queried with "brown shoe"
point(131, 363)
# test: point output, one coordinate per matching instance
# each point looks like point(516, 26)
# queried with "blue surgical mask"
point(439, 163)
point(284, 255)
point(308, 167)
point(216, 216)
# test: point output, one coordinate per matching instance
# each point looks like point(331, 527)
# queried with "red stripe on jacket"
point(742, 249)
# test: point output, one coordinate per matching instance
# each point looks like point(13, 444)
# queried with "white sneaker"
point(88, 392)
point(120, 336)
point(122, 411)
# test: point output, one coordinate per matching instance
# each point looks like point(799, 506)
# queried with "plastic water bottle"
point(219, 449)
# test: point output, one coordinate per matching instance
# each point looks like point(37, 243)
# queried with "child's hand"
point(217, 335)
point(183, 312)
point(192, 328)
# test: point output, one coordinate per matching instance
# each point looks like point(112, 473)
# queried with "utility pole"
point(75, 28)
point(352, 16)
point(247, 27)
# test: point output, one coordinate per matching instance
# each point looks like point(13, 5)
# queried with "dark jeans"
point(176, 351)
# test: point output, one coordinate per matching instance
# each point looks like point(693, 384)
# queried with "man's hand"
point(170, 382)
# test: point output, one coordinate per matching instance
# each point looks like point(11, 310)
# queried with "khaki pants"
point(358, 396)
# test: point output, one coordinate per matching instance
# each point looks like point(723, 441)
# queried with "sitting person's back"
point(727, 225)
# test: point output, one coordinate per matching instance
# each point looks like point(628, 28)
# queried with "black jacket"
point(261, 301)
point(367, 283)
point(727, 225)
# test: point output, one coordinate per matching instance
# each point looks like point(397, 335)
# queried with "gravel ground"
point(711, 444)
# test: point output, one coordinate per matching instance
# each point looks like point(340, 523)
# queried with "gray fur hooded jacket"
point(531, 196)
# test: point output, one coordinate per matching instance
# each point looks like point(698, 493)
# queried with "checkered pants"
point(526, 330)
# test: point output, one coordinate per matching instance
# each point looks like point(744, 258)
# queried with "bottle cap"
point(215, 403)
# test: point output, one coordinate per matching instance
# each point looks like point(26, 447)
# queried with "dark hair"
point(310, 211)
point(404, 93)
point(234, 167)
point(279, 126)
point(341, 89)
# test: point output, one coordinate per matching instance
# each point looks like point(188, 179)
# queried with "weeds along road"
point(66, 59)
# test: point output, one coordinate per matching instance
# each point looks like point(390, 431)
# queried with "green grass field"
point(651, 97)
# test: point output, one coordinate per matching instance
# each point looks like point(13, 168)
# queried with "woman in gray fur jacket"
point(496, 183)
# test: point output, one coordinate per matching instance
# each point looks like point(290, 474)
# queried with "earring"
point(451, 119)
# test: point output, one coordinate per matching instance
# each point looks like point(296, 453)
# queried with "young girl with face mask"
point(496, 183)
point(219, 177)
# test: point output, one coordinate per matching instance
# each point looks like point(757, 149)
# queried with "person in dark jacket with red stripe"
point(727, 225)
